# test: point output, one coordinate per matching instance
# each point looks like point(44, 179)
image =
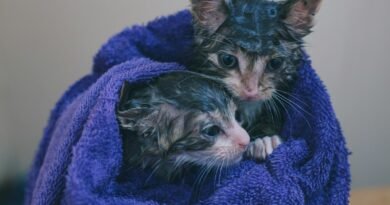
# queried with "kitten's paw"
point(261, 148)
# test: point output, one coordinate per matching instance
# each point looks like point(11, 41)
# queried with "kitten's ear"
point(209, 14)
point(131, 108)
point(124, 96)
point(128, 118)
point(299, 15)
point(133, 95)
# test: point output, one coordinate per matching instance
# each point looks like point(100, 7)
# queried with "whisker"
point(281, 102)
point(268, 107)
point(293, 96)
point(300, 110)
point(201, 178)
point(293, 104)
point(155, 166)
point(275, 111)
point(220, 173)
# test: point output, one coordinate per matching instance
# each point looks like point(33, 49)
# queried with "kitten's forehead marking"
point(224, 116)
point(251, 64)
point(243, 61)
point(257, 20)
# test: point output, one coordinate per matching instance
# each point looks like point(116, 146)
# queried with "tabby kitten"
point(178, 121)
point(255, 47)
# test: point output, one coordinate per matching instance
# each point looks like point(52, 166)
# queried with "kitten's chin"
point(253, 98)
point(256, 97)
point(235, 161)
point(232, 159)
point(209, 159)
point(229, 162)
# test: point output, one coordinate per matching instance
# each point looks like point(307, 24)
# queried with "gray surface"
point(46, 45)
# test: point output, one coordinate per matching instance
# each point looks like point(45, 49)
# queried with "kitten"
point(177, 121)
point(255, 47)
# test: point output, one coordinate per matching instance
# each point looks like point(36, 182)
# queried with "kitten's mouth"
point(237, 160)
point(246, 96)
point(231, 161)
point(263, 95)
point(253, 98)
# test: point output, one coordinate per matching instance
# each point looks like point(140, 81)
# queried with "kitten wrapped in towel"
point(255, 47)
point(179, 120)
point(180, 123)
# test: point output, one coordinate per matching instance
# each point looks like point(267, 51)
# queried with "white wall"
point(350, 50)
point(45, 45)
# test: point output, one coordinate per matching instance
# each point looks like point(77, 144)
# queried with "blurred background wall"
point(45, 45)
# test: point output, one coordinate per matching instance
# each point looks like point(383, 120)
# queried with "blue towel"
point(80, 156)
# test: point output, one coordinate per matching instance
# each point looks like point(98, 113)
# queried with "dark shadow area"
point(12, 191)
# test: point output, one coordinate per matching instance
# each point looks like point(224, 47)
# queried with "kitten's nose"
point(243, 146)
point(250, 85)
point(251, 93)
point(239, 136)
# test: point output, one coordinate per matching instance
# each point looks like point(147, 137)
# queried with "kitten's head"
point(254, 45)
point(182, 118)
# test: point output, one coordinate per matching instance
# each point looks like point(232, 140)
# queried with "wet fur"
point(161, 122)
point(255, 32)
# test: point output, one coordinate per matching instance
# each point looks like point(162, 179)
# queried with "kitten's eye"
point(275, 64)
point(227, 60)
point(212, 131)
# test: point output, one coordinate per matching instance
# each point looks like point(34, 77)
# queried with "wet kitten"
point(177, 121)
point(255, 47)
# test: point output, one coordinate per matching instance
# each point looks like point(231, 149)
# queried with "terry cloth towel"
point(80, 156)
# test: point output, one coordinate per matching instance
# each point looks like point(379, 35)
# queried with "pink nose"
point(250, 93)
point(239, 136)
point(242, 145)
point(242, 142)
